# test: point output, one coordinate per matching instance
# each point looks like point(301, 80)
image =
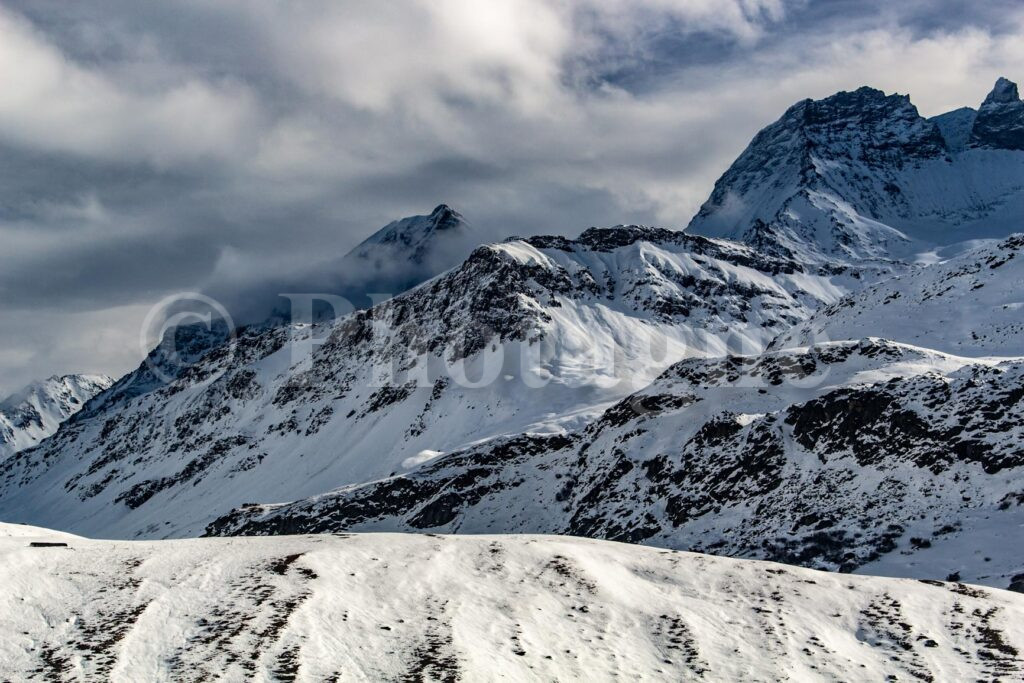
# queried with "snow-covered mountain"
point(861, 177)
point(616, 385)
point(999, 123)
point(972, 305)
point(417, 241)
point(403, 254)
point(394, 259)
point(426, 607)
point(842, 456)
point(536, 335)
point(35, 412)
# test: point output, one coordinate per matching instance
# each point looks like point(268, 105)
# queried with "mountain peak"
point(410, 231)
point(445, 217)
point(1000, 122)
point(796, 178)
point(1004, 91)
point(442, 210)
point(35, 412)
point(857, 102)
point(404, 253)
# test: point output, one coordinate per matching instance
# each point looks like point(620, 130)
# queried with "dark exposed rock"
point(627, 477)
point(1000, 120)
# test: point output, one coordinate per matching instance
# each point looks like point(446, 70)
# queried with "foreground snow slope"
point(416, 607)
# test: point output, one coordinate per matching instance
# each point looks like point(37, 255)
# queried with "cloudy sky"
point(149, 148)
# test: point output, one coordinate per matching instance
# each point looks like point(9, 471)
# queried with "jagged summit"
point(1004, 91)
point(882, 127)
point(414, 233)
point(1000, 120)
point(446, 213)
point(404, 253)
point(861, 178)
point(35, 412)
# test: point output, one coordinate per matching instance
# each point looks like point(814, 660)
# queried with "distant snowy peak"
point(956, 127)
point(1000, 120)
point(396, 258)
point(30, 415)
point(861, 177)
point(404, 253)
point(414, 235)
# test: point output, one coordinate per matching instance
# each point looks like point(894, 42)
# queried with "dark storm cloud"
point(148, 148)
point(668, 48)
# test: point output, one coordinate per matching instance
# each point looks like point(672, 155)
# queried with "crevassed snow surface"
point(418, 607)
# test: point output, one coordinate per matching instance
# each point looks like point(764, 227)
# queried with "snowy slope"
point(833, 457)
point(34, 413)
point(861, 177)
point(394, 607)
point(972, 305)
point(555, 330)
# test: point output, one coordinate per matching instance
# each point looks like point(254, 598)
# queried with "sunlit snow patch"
point(420, 458)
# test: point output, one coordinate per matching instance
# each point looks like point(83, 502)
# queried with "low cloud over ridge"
point(149, 150)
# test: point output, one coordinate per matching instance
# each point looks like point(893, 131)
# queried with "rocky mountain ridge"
point(536, 335)
point(35, 412)
point(861, 177)
point(844, 456)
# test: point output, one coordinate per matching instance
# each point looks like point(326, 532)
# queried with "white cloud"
point(53, 103)
point(40, 344)
point(292, 129)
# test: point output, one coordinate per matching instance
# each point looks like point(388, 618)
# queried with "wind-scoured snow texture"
point(419, 607)
point(34, 413)
point(832, 457)
point(971, 305)
point(862, 177)
point(595, 319)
